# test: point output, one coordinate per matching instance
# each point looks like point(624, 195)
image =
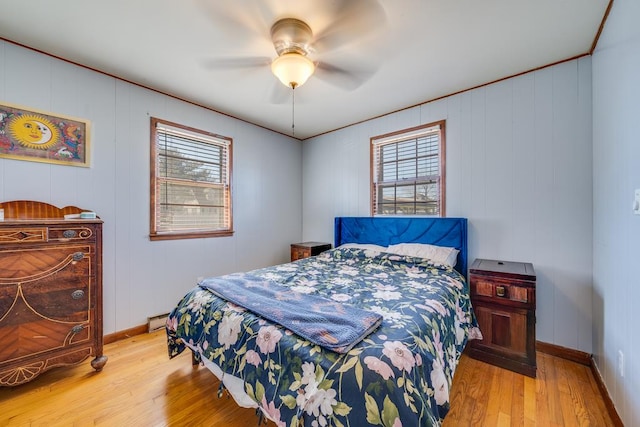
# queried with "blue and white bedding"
point(399, 375)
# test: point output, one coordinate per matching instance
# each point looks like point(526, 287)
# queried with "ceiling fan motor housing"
point(291, 35)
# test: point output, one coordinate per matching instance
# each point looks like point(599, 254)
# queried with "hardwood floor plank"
point(530, 408)
point(493, 405)
point(517, 401)
point(555, 410)
point(477, 393)
point(141, 386)
point(506, 394)
point(542, 394)
point(504, 420)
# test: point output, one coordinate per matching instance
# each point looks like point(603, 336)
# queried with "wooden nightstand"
point(307, 249)
point(503, 295)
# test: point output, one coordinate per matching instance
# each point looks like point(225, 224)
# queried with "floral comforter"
point(400, 375)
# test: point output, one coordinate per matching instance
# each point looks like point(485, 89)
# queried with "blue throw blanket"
point(330, 324)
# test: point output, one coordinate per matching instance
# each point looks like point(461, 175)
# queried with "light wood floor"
point(140, 386)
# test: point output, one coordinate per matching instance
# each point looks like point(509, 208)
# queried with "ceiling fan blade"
point(354, 19)
point(231, 62)
point(236, 22)
point(348, 78)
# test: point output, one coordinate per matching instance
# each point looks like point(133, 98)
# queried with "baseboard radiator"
point(156, 322)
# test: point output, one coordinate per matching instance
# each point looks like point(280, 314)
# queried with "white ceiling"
point(420, 50)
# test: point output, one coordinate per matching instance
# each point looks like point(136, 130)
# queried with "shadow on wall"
point(598, 328)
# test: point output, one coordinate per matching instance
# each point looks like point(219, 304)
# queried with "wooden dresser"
point(307, 249)
point(50, 290)
point(503, 295)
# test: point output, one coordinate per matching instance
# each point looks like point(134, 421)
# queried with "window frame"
point(157, 233)
point(399, 136)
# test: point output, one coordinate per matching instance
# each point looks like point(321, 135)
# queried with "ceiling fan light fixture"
point(292, 69)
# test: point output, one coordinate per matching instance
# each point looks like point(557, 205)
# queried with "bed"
point(412, 314)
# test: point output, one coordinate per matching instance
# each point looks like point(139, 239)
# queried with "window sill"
point(190, 235)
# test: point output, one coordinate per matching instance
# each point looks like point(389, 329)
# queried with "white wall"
point(616, 231)
point(144, 278)
point(519, 165)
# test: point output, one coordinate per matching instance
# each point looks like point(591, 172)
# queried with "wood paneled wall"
point(519, 167)
point(616, 237)
point(144, 278)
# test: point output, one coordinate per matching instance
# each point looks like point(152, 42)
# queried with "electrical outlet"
point(620, 363)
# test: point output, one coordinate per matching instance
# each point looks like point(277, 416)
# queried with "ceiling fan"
point(292, 40)
point(299, 49)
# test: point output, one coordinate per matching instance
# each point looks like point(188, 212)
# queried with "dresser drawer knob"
point(77, 294)
point(68, 234)
point(77, 329)
point(501, 291)
point(78, 256)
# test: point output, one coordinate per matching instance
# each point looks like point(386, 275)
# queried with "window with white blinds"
point(407, 176)
point(190, 182)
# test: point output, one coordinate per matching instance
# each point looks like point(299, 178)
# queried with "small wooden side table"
point(503, 295)
point(307, 249)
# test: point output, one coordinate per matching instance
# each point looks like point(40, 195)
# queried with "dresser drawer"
point(28, 264)
point(70, 303)
point(40, 336)
point(71, 233)
point(23, 235)
point(61, 304)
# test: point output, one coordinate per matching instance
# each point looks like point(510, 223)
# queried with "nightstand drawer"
point(502, 292)
point(307, 249)
point(299, 253)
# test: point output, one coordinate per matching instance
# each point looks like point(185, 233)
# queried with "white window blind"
point(192, 181)
point(408, 172)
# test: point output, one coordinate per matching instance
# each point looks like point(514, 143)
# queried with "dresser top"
point(30, 210)
point(49, 221)
point(510, 269)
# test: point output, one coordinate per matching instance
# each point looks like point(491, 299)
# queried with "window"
point(407, 174)
point(190, 183)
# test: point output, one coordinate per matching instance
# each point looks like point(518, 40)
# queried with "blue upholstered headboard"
point(385, 231)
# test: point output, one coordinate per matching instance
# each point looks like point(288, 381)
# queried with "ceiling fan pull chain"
point(293, 110)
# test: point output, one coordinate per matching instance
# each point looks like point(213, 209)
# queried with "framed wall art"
point(28, 134)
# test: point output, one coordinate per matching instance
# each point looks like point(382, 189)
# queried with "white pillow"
point(437, 254)
point(364, 246)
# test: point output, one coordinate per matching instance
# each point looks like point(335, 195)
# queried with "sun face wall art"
point(43, 137)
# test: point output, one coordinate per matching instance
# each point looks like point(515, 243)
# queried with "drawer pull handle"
point(68, 234)
point(77, 329)
point(500, 291)
point(77, 294)
point(78, 256)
